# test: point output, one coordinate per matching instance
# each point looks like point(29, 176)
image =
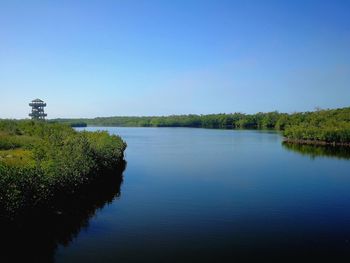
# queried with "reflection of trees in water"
point(34, 238)
point(339, 152)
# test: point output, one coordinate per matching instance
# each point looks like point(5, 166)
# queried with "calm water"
point(200, 195)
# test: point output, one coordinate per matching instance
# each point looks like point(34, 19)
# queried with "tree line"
point(330, 126)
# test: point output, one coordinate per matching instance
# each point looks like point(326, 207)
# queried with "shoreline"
point(315, 142)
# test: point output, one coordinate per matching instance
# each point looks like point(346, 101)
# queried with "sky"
point(151, 57)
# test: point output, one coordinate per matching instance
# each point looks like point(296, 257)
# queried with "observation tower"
point(37, 109)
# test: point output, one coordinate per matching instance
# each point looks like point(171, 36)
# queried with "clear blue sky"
point(106, 58)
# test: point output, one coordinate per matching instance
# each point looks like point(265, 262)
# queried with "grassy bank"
point(41, 161)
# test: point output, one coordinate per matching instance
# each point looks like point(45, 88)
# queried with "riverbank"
point(38, 234)
point(315, 142)
point(41, 163)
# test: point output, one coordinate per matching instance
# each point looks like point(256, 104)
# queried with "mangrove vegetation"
point(317, 127)
point(42, 162)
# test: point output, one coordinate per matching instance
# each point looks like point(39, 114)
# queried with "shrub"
point(40, 161)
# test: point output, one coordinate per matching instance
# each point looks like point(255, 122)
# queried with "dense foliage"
point(329, 126)
point(39, 160)
point(222, 121)
point(324, 126)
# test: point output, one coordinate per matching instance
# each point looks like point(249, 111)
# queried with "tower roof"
point(37, 100)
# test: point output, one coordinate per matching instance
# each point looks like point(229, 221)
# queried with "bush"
point(39, 161)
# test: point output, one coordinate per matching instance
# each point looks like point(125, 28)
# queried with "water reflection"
point(36, 237)
point(314, 151)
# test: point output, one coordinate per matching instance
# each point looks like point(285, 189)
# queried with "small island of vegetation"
point(331, 126)
point(42, 162)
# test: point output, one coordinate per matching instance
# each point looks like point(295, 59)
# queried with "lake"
point(203, 195)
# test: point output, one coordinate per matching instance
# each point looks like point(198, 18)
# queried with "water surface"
point(201, 195)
